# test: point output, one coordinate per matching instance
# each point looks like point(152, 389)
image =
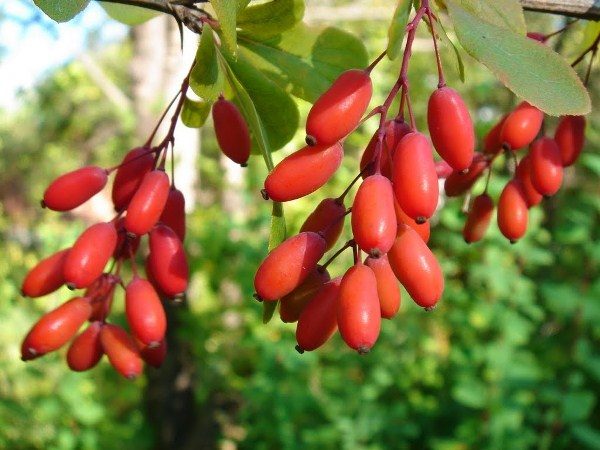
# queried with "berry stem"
point(348, 244)
point(441, 80)
point(340, 199)
point(374, 63)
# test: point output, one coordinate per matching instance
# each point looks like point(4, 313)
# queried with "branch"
point(583, 9)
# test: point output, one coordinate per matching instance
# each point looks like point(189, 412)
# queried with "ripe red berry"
point(89, 255)
point(231, 131)
point(145, 314)
point(546, 166)
point(55, 328)
point(173, 214)
point(388, 289)
point(168, 262)
point(136, 164)
point(416, 267)
point(523, 174)
point(395, 130)
point(339, 109)
point(570, 137)
point(458, 183)
point(358, 311)
point(292, 304)
point(148, 203)
point(154, 355)
point(423, 229)
point(85, 350)
point(414, 177)
point(74, 188)
point(303, 172)
point(492, 142)
point(318, 321)
point(521, 126)
point(373, 216)
point(288, 265)
point(443, 169)
point(478, 219)
point(327, 218)
point(451, 128)
point(121, 350)
point(368, 157)
point(46, 277)
point(512, 211)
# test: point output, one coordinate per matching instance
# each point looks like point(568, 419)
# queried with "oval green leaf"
point(207, 79)
point(226, 11)
point(129, 15)
point(195, 112)
point(270, 19)
point(61, 10)
point(397, 28)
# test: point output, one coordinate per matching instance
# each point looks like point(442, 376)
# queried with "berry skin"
point(231, 131)
point(318, 321)
point(55, 328)
point(145, 314)
point(173, 214)
point(303, 172)
point(46, 277)
point(416, 267)
point(339, 109)
point(443, 169)
point(414, 177)
point(423, 229)
point(168, 262)
point(85, 350)
point(458, 183)
point(512, 211)
point(288, 265)
point(546, 166)
point(292, 305)
point(521, 126)
point(358, 310)
point(89, 255)
point(154, 356)
point(147, 203)
point(327, 218)
point(570, 137)
point(492, 143)
point(74, 188)
point(121, 350)
point(127, 244)
point(136, 164)
point(523, 174)
point(478, 219)
point(395, 130)
point(369, 155)
point(388, 289)
point(451, 128)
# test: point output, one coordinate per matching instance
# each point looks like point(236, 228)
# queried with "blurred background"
point(510, 359)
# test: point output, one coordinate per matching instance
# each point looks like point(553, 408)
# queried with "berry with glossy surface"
point(136, 164)
point(388, 289)
point(292, 305)
point(121, 350)
point(74, 188)
point(478, 219)
point(46, 277)
point(570, 137)
point(546, 166)
point(328, 219)
point(173, 214)
point(232, 131)
point(512, 211)
point(168, 262)
point(147, 203)
point(521, 126)
point(85, 350)
point(145, 314)
point(458, 182)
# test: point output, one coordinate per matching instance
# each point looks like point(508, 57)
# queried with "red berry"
point(327, 218)
point(373, 216)
point(136, 164)
point(512, 211)
point(388, 289)
point(458, 183)
point(395, 130)
point(423, 229)
point(46, 277)
point(154, 355)
point(173, 214)
point(451, 128)
point(86, 349)
point(148, 203)
point(523, 174)
point(168, 262)
point(231, 131)
point(74, 188)
point(570, 137)
point(492, 142)
point(546, 166)
point(478, 219)
point(303, 172)
point(414, 176)
point(89, 255)
point(127, 244)
point(55, 328)
point(288, 265)
point(521, 126)
point(368, 157)
point(416, 267)
point(292, 304)
point(358, 311)
point(145, 314)
point(443, 169)
point(121, 350)
point(339, 109)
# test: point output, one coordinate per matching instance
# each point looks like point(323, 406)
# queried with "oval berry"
point(339, 109)
point(147, 203)
point(358, 311)
point(478, 219)
point(521, 126)
point(89, 255)
point(328, 219)
point(443, 169)
point(458, 182)
point(523, 174)
point(416, 267)
point(231, 131)
point(168, 261)
point(546, 166)
point(395, 130)
point(388, 289)
point(74, 188)
point(492, 142)
point(288, 265)
point(423, 229)
point(173, 214)
point(303, 172)
point(145, 313)
point(318, 320)
point(414, 177)
point(368, 157)
point(136, 164)
point(121, 351)
point(46, 277)
point(451, 128)
point(55, 328)
point(512, 211)
point(373, 216)
point(570, 137)
point(292, 305)
point(86, 349)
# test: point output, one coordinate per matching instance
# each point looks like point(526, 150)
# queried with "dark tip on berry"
point(153, 344)
point(467, 241)
point(421, 220)
point(363, 350)
point(464, 171)
point(264, 194)
point(245, 164)
point(505, 146)
point(23, 293)
point(299, 349)
point(131, 235)
point(513, 241)
point(257, 297)
point(42, 203)
point(429, 308)
point(131, 376)
point(310, 140)
point(546, 197)
point(71, 286)
point(375, 253)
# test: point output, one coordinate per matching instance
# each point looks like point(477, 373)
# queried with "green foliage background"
point(509, 360)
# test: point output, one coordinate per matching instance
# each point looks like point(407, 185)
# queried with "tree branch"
point(583, 9)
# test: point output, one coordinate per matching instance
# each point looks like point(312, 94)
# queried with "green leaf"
point(226, 11)
point(207, 79)
point(61, 10)
point(305, 60)
point(397, 28)
point(276, 237)
point(577, 406)
point(587, 435)
point(530, 69)
point(506, 14)
point(440, 31)
point(590, 33)
point(129, 15)
point(241, 5)
point(195, 112)
point(269, 19)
